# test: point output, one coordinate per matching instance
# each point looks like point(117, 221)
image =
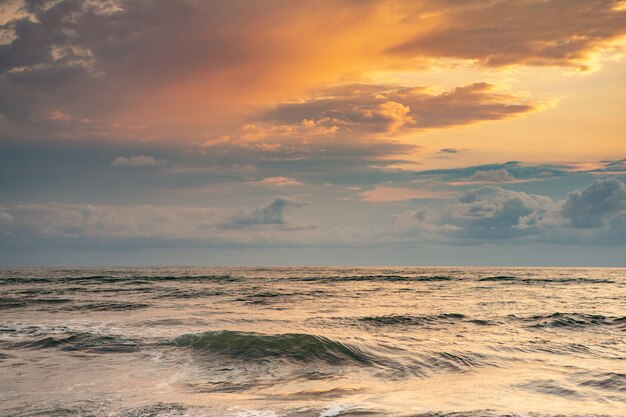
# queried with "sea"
point(313, 342)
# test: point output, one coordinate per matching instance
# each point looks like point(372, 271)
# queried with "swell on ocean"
point(322, 342)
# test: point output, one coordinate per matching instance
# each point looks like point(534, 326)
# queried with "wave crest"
point(407, 320)
point(255, 346)
point(574, 320)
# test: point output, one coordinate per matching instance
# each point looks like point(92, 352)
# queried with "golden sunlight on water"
point(313, 342)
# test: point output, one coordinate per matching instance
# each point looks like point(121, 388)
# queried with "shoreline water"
point(313, 341)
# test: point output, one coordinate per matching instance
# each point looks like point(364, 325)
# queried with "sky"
point(278, 132)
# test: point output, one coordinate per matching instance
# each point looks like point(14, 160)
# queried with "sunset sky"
point(219, 132)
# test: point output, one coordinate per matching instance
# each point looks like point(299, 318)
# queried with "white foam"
point(256, 413)
point(337, 409)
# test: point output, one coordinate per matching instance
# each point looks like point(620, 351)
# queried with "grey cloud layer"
point(594, 215)
point(31, 223)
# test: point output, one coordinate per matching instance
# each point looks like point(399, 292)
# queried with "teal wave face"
point(84, 342)
point(254, 346)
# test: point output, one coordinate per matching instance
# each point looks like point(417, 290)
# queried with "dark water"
point(265, 342)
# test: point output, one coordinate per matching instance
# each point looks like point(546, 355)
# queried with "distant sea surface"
point(323, 342)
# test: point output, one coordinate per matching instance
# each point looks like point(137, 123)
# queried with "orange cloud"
point(280, 181)
point(392, 110)
point(514, 32)
point(181, 69)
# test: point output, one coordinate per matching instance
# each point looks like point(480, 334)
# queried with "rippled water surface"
point(257, 342)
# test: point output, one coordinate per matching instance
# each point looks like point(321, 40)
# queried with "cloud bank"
point(594, 215)
point(91, 224)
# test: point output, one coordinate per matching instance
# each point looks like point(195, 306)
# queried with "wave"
point(567, 280)
point(26, 336)
point(142, 279)
point(179, 410)
point(525, 280)
point(84, 342)
point(408, 320)
point(6, 302)
point(610, 381)
point(499, 278)
point(24, 280)
point(567, 320)
point(268, 297)
point(551, 387)
point(185, 294)
point(425, 364)
point(113, 290)
point(256, 346)
point(172, 322)
point(310, 349)
point(28, 330)
point(114, 279)
point(555, 320)
point(261, 297)
point(96, 408)
point(546, 346)
point(491, 413)
point(106, 306)
point(382, 278)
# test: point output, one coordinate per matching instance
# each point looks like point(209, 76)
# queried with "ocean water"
point(266, 342)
